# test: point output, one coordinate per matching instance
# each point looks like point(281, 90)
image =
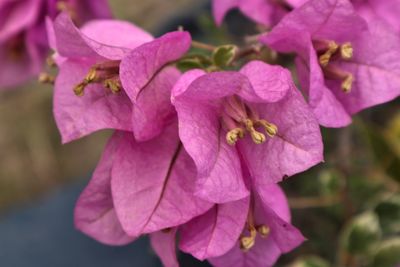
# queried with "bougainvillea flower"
point(387, 11)
point(103, 68)
point(264, 12)
point(260, 105)
point(343, 64)
point(136, 191)
point(245, 233)
point(23, 40)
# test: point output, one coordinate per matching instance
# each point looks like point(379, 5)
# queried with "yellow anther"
point(326, 57)
point(257, 137)
point(46, 78)
point(347, 83)
point(91, 76)
point(247, 242)
point(113, 84)
point(79, 89)
point(263, 230)
point(346, 51)
point(233, 136)
point(270, 128)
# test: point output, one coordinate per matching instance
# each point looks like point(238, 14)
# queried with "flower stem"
point(203, 46)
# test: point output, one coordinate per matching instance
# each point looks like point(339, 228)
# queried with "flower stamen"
point(270, 128)
point(263, 230)
point(114, 84)
point(346, 51)
point(105, 73)
point(256, 136)
point(247, 242)
point(345, 77)
point(233, 135)
point(325, 58)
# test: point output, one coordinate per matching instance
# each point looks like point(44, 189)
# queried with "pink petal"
point(387, 11)
point(142, 64)
point(197, 109)
point(273, 197)
point(327, 109)
point(153, 184)
point(97, 109)
point(269, 83)
point(264, 254)
point(225, 181)
point(296, 147)
point(185, 81)
point(271, 211)
point(296, 3)
point(71, 42)
point(216, 232)
point(215, 85)
point(163, 243)
point(221, 7)
point(94, 211)
point(116, 33)
point(153, 109)
point(376, 66)
point(324, 20)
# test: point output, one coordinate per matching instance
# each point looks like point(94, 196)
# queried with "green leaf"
point(224, 55)
point(388, 211)
point(362, 233)
point(387, 254)
point(194, 62)
point(310, 261)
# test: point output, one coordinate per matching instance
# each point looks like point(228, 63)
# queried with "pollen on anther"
point(347, 83)
point(233, 136)
point(346, 51)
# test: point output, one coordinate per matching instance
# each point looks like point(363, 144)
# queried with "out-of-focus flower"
point(23, 40)
point(264, 12)
point(105, 67)
point(344, 64)
point(260, 105)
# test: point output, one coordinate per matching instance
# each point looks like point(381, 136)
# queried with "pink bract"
point(135, 191)
point(210, 106)
point(129, 56)
point(366, 75)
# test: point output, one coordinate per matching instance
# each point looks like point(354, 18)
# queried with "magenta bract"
point(217, 109)
point(343, 65)
point(99, 62)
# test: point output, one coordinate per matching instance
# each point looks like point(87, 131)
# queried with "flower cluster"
point(198, 155)
point(23, 38)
